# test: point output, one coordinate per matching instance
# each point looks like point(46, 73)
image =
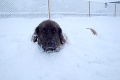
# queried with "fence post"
point(115, 11)
point(89, 8)
point(49, 9)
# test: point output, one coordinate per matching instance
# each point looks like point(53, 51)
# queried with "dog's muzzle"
point(50, 45)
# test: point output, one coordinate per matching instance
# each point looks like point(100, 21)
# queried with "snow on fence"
point(41, 8)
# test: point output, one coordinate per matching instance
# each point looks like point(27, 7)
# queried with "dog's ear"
point(62, 39)
point(37, 30)
point(35, 35)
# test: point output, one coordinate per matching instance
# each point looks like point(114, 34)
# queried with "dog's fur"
point(49, 35)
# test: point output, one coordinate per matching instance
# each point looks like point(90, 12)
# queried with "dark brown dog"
point(49, 35)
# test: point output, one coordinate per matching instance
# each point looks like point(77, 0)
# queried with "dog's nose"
point(50, 43)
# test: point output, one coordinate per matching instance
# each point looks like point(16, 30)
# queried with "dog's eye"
point(45, 32)
point(53, 30)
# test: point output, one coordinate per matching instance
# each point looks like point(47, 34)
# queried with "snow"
point(102, 0)
point(84, 57)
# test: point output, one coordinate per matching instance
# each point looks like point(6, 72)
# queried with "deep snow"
point(84, 57)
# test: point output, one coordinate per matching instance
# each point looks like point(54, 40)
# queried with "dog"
point(49, 36)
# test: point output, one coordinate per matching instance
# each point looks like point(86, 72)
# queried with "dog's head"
point(50, 35)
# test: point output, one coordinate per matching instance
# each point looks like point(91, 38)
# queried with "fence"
point(39, 8)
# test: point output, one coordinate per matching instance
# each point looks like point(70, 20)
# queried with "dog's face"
point(50, 35)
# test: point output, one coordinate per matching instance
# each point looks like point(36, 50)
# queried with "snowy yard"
point(84, 57)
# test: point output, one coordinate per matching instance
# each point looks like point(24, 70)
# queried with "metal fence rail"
point(39, 8)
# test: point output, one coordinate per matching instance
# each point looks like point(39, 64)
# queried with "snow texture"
point(84, 57)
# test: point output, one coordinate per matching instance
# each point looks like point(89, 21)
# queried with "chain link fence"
point(39, 8)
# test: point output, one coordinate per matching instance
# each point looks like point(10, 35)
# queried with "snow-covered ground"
point(84, 57)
